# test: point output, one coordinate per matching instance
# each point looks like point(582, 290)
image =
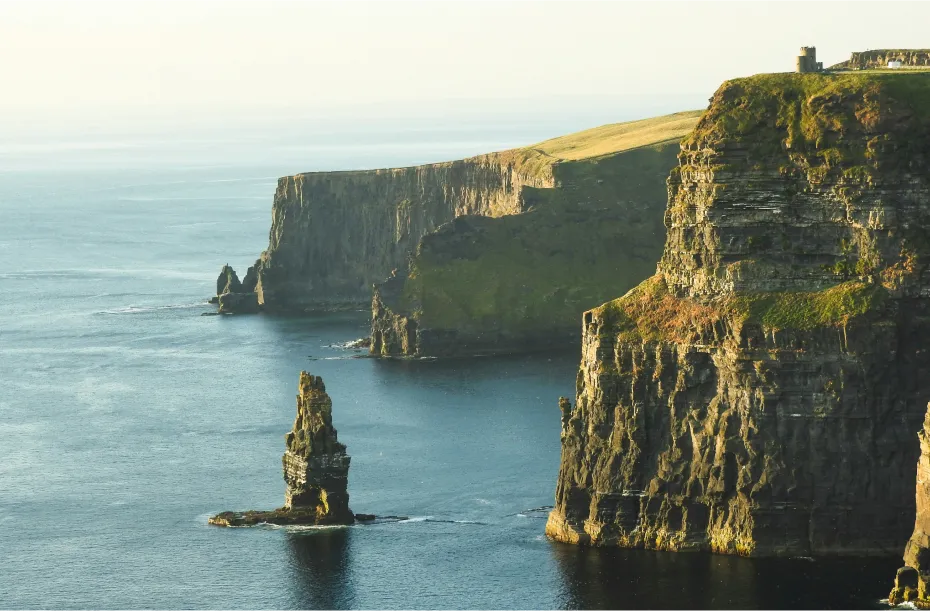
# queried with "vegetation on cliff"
point(650, 312)
point(758, 395)
point(522, 281)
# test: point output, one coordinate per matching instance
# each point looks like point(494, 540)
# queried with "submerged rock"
point(316, 468)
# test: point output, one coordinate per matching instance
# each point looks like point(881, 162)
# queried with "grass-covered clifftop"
point(334, 234)
point(521, 282)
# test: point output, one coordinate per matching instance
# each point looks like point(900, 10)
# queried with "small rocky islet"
point(758, 393)
point(316, 470)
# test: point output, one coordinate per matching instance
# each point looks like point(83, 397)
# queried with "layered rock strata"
point(759, 395)
point(316, 468)
point(519, 283)
point(334, 234)
point(913, 578)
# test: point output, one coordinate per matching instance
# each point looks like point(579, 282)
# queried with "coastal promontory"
point(761, 393)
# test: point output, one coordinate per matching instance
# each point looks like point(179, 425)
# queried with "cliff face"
point(759, 395)
point(879, 58)
point(334, 234)
point(520, 282)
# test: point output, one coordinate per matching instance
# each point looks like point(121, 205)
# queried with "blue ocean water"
point(127, 418)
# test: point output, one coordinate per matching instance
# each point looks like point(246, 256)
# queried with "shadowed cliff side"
point(519, 283)
point(760, 394)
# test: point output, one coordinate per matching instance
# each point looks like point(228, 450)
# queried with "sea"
point(128, 417)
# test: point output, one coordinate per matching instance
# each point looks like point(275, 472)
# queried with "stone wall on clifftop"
point(760, 394)
point(879, 58)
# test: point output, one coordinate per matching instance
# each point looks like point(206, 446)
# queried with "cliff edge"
point(759, 395)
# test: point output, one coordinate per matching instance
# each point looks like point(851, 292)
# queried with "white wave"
point(355, 344)
point(300, 527)
point(416, 519)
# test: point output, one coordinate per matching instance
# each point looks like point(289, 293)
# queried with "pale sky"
point(68, 60)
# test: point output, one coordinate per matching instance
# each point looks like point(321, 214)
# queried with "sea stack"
point(234, 297)
point(910, 584)
point(316, 468)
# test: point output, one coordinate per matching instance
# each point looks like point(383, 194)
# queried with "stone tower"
point(807, 60)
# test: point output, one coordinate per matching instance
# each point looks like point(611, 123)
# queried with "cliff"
point(334, 234)
point(879, 58)
point(520, 282)
point(760, 394)
point(316, 468)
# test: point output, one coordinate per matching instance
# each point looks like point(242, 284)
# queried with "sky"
point(133, 61)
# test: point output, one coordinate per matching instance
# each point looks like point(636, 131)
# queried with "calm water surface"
point(127, 418)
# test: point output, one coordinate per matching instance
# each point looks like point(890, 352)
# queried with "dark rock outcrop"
point(760, 394)
point(238, 303)
point(316, 468)
point(234, 297)
point(228, 281)
point(913, 578)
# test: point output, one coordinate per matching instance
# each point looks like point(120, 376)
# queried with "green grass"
point(808, 310)
point(531, 271)
point(650, 313)
point(595, 236)
point(618, 137)
point(828, 120)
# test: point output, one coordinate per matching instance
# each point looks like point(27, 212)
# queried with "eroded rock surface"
point(760, 394)
point(334, 234)
point(316, 468)
point(913, 578)
point(879, 58)
point(234, 297)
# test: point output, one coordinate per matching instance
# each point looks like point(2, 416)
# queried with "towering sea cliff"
point(520, 282)
point(334, 234)
point(760, 394)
